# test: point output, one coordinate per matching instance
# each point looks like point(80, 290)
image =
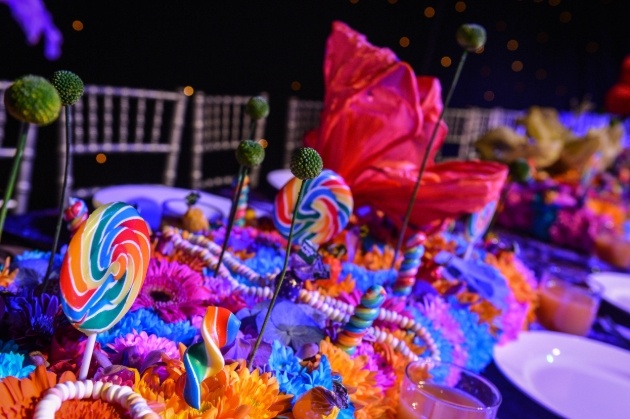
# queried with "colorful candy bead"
point(75, 214)
point(241, 205)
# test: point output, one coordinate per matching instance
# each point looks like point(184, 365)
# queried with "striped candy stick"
point(364, 314)
point(412, 257)
point(241, 205)
point(204, 359)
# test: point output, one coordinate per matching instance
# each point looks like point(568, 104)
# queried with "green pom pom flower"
point(306, 163)
point(250, 153)
point(471, 36)
point(33, 99)
point(257, 107)
point(68, 85)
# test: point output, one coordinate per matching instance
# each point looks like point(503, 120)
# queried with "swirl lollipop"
point(323, 212)
point(75, 214)
point(103, 270)
point(204, 359)
point(477, 224)
point(352, 333)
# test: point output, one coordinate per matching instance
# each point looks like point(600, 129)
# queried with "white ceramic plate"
point(616, 288)
point(574, 377)
point(159, 194)
point(279, 178)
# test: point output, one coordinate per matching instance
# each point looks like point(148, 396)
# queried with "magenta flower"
point(133, 349)
point(174, 291)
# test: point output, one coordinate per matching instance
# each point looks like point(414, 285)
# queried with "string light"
point(565, 17)
point(488, 95)
point(296, 86)
point(541, 74)
point(429, 12)
point(101, 158)
point(460, 6)
point(77, 25)
point(404, 42)
point(446, 61)
point(189, 91)
point(512, 45)
point(517, 66)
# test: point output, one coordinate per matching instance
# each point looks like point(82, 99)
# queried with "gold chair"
point(142, 124)
point(302, 116)
point(9, 129)
point(220, 123)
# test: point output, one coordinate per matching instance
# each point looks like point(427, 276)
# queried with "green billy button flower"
point(33, 99)
point(306, 163)
point(250, 153)
point(471, 36)
point(68, 85)
point(257, 107)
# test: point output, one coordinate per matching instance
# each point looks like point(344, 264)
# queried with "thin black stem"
point(280, 281)
point(252, 130)
point(62, 196)
point(425, 158)
point(237, 192)
point(8, 192)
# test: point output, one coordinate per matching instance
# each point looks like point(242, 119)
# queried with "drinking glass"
point(433, 389)
point(567, 306)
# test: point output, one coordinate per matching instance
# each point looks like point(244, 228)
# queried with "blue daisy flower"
point(365, 278)
point(12, 361)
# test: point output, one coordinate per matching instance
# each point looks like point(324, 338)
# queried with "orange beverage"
point(431, 390)
point(567, 307)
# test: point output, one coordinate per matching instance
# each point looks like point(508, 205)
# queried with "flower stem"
point(425, 158)
point(62, 195)
point(241, 180)
point(280, 280)
point(8, 192)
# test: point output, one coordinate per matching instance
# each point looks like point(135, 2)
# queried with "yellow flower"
point(368, 397)
point(235, 392)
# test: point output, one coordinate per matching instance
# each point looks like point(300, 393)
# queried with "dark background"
point(569, 50)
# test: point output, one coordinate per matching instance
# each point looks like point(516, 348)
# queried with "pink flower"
point(133, 349)
point(173, 290)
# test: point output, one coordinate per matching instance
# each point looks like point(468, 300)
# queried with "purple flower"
point(32, 319)
point(36, 22)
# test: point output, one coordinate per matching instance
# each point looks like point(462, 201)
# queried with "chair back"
point(220, 123)
point(9, 131)
point(302, 116)
point(123, 121)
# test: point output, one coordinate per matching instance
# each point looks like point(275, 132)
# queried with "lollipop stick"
point(62, 196)
point(241, 179)
point(281, 280)
point(87, 356)
point(425, 158)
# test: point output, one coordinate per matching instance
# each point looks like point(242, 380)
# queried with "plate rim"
point(278, 173)
point(522, 383)
point(594, 277)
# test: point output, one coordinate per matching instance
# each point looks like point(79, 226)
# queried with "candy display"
point(204, 359)
point(323, 213)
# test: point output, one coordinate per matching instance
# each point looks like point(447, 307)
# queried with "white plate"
point(279, 178)
point(616, 288)
point(160, 194)
point(574, 377)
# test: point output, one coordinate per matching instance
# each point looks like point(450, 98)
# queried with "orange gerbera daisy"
point(90, 409)
point(6, 276)
point(332, 286)
point(159, 382)
point(369, 396)
point(375, 258)
point(18, 397)
point(235, 392)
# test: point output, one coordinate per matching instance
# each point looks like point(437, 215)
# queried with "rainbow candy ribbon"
point(204, 359)
point(352, 333)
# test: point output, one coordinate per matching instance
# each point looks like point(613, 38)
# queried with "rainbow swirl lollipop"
point(204, 359)
point(104, 267)
point(323, 212)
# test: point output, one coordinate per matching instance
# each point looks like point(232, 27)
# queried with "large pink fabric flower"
point(173, 290)
point(376, 124)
